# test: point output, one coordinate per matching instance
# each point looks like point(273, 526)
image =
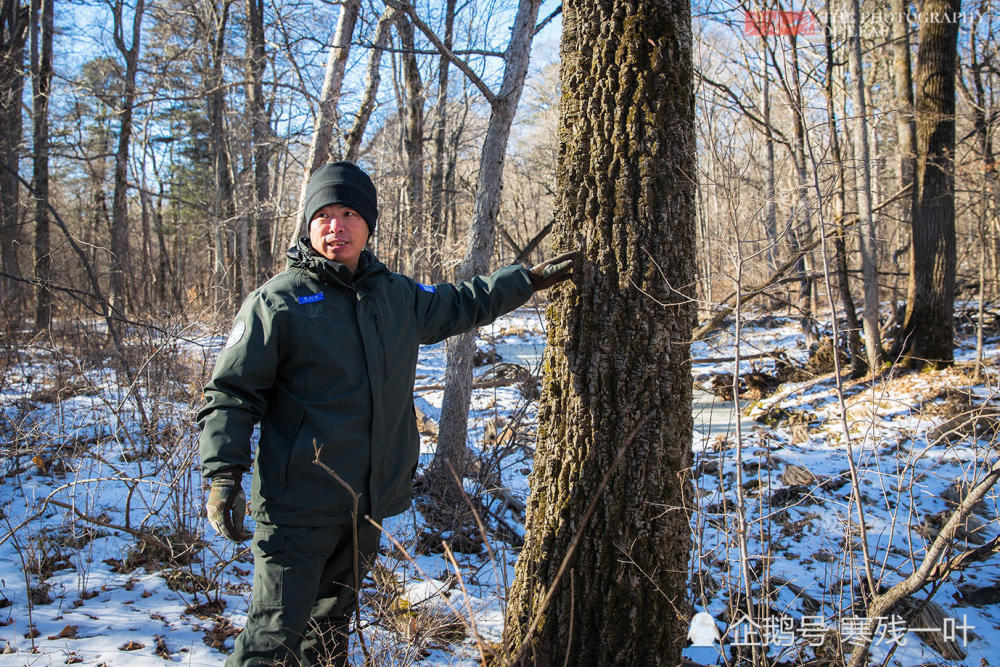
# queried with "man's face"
point(339, 233)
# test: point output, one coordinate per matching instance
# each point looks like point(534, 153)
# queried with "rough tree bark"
point(602, 576)
point(451, 450)
point(119, 205)
point(928, 324)
point(41, 75)
point(326, 119)
point(14, 18)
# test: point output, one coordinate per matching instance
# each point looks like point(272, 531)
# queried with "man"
point(323, 355)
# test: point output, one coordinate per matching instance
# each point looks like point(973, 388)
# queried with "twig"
point(930, 569)
point(468, 604)
point(355, 498)
point(100, 521)
point(579, 535)
point(481, 384)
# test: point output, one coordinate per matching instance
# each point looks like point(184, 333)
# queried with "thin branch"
point(526, 641)
point(555, 12)
point(445, 51)
point(746, 111)
point(100, 521)
point(355, 499)
point(931, 570)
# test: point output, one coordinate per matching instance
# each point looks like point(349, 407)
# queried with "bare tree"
point(903, 93)
point(326, 118)
point(41, 78)
point(13, 35)
point(119, 207)
point(858, 364)
point(928, 325)
point(227, 285)
point(866, 224)
point(452, 450)
point(262, 212)
point(602, 578)
point(413, 146)
point(373, 79)
point(437, 229)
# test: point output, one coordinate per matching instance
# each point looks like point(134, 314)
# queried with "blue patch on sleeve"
point(426, 288)
point(312, 298)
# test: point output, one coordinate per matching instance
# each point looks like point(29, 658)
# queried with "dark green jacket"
point(319, 354)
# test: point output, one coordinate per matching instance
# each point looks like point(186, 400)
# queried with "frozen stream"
point(712, 415)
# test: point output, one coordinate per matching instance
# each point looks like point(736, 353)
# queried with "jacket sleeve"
point(236, 396)
point(448, 309)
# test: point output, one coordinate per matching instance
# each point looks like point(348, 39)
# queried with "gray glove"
point(553, 271)
point(227, 505)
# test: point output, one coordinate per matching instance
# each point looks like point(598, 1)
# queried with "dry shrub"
point(207, 610)
point(185, 581)
point(415, 626)
point(217, 635)
point(183, 546)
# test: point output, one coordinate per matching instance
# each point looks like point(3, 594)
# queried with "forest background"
point(154, 154)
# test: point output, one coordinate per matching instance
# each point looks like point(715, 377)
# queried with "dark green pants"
point(303, 594)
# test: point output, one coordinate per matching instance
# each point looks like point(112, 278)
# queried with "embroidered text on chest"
point(312, 298)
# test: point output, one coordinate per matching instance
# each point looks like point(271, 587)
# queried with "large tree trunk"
point(326, 118)
point(866, 224)
point(119, 206)
point(607, 531)
point(41, 74)
point(260, 136)
point(13, 34)
point(451, 449)
point(928, 325)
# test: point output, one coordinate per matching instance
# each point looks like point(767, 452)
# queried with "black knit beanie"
point(341, 183)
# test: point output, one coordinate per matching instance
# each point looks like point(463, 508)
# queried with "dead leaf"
point(69, 632)
point(161, 647)
point(131, 646)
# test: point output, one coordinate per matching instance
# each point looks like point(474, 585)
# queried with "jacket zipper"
point(381, 347)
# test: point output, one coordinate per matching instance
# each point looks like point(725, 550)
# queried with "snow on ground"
point(81, 477)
